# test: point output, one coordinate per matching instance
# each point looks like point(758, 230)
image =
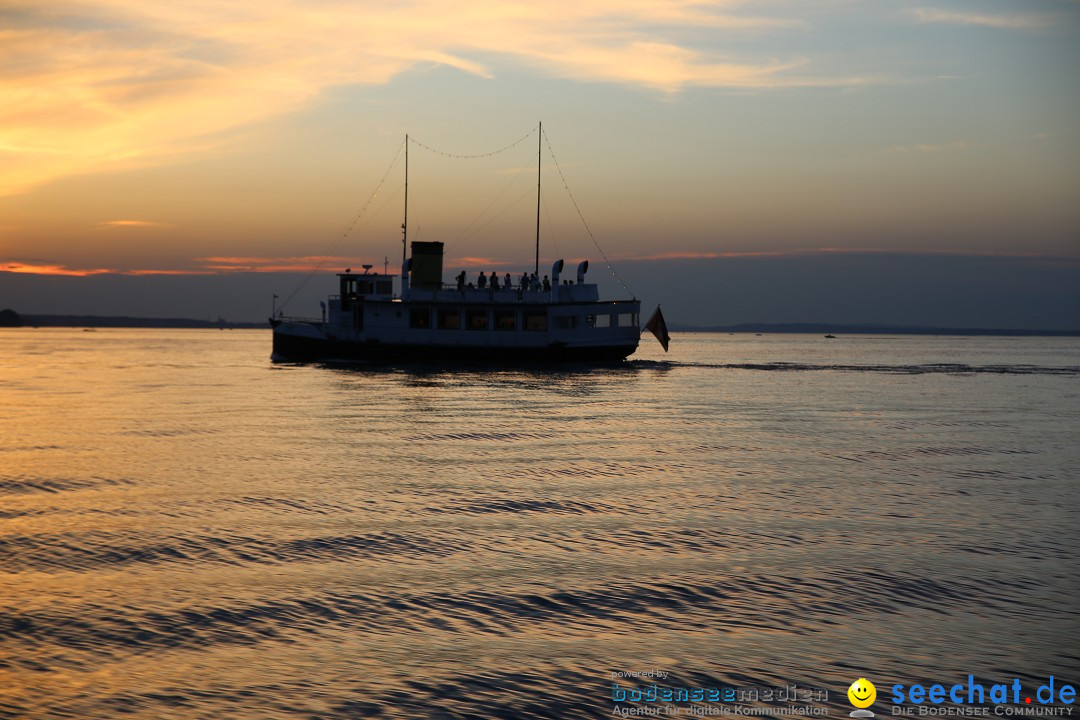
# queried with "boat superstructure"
point(416, 316)
point(428, 320)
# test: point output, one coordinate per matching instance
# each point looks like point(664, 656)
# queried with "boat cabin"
point(363, 286)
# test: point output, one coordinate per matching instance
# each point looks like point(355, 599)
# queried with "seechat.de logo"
point(1052, 698)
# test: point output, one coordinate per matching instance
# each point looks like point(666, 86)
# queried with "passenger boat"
point(416, 317)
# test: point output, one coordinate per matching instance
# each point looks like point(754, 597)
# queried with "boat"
point(415, 316)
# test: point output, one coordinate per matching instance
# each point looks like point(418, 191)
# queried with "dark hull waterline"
point(292, 348)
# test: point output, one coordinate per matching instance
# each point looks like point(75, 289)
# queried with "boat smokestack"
point(556, 271)
point(582, 268)
point(426, 265)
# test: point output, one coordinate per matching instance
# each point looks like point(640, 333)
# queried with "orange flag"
point(658, 327)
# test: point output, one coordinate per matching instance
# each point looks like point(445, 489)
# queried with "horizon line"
point(313, 264)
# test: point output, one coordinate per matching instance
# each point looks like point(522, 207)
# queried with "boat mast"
point(405, 222)
point(539, 137)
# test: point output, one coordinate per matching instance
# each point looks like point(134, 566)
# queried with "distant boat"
point(830, 337)
point(528, 319)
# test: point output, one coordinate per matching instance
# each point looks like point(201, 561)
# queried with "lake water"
point(189, 531)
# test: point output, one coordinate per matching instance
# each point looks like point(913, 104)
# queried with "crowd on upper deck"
point(527, 282)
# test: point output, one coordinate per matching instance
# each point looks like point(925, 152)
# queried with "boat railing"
point(452, 293)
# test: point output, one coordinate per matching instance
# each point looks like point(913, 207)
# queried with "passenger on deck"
point(534, 282)
point(461, 280)
point(481, 282)
point(494, 280)
point(524, 282)
point(547, 284)
point(507, 282)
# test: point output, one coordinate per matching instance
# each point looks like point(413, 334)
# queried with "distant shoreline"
point(839, 329)
point(102, 321)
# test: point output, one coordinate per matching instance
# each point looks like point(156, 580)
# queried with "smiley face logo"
point(862, 693)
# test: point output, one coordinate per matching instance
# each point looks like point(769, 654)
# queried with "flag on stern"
point(658, 327)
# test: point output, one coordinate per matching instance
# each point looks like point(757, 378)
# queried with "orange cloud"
point(310, 263)
point(48, 269)
point(41, 268)
point(475, 262)
point(203, 266)
point(117, 83)
point(130, 223)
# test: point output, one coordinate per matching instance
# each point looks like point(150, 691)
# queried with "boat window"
point(420, 317)
point(506, 320)
point(600, 321)
point(448, 318)
point(567, 322)
point(364, 287)
point(384, 287)
point(627, 319)
point(476, 319)
point(535, 320)
point(348, 293)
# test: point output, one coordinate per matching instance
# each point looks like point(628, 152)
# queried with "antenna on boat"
point(405, 222)
point(539, 141)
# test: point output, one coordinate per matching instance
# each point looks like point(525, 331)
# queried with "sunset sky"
point(244, 137)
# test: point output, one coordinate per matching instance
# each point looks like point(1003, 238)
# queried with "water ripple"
point(785, 603)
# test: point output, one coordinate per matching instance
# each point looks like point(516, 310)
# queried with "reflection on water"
point(190, 531)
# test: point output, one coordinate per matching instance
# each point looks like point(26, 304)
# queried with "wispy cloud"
point(130, 223)
point(479, 263)
point(306, 263)
point(198, 266)
point(1014, 21)
point(117, 83)
point(954, 146)
point(49, 269)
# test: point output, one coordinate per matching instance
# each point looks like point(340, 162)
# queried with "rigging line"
point(339, 241)
point(358, 223)
point(502, 212)
point(582, 217)
point(417, 228)
point(551, 230)
point(514, 144)
point(488, 206)
point(391, 197)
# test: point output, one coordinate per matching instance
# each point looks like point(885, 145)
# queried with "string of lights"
point(363, 210)
point(459, 156)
